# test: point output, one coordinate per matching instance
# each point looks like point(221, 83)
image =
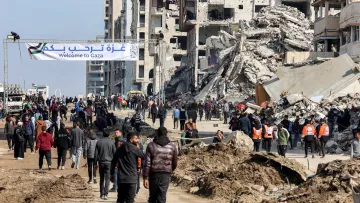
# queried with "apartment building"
point(204, 18)
point(165, 18)
point(112, 11)
point(337, 27)
point(95, 75)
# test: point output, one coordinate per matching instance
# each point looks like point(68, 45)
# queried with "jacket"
point(154, 109)
point(355, 148)
point(244, 124)
point(9, 128)
point(62, 139)
point(160, 157)
point(126, 160)
point(309, 132)
point(104, 150)
point(192, 113)
point(44, 141)
point(162, 111)
point(18, 135)
point(77, 138)
point(28, 129)
point(90, 144)
point(226, 107)
point(282, 137)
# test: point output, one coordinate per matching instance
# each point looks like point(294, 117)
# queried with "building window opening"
point(141, 71)
point(241, 7)
point(258, 8)
point(141, 54)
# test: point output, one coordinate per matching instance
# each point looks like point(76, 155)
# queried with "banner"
point(84, 52)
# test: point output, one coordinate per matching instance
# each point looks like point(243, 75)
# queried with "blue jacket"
point(77, 107)
point(28, 129)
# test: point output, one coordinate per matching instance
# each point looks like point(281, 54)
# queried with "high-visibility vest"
point(268, 131)
point(324, 130)
point(308, 130)
point(257, 134)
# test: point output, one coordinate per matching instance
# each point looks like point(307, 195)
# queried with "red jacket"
point(44, 142)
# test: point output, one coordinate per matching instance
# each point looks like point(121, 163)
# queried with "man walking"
point(44, 143)
point(77, 143)
point(308, 134)
point(89, 154)
point(104, 153)
point(160, 162)
point(62, 143)
point(226, 112)
point(118, 142)
point(176, 116)
point(126, 161)
point(29, 135)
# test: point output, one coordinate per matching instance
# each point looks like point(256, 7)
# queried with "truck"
point(16, 98)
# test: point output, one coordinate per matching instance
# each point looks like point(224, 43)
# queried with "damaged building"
point(206, 18)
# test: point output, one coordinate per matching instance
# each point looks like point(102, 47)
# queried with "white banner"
point(84, 52)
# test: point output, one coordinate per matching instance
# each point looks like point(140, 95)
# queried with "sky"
point(44, 19)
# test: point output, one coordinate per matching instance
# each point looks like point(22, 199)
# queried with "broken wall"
point(191, 47)
point(299, 57)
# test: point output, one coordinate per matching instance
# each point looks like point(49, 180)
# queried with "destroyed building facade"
point(337, 27)
point(205, 18)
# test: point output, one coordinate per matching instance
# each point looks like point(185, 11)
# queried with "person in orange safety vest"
point(268, 135)
point(308, 134)
point(323, 135)
point(256, 137)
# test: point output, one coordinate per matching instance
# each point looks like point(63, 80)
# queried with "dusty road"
point(25, 171)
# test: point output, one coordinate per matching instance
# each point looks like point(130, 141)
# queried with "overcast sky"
point(44, 19)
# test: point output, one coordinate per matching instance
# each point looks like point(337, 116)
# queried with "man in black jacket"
point(244, 124)
point(104, 153)
point(160, 162)
point(126, 161)
point(62, 143)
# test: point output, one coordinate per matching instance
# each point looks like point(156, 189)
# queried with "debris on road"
point(224, 172)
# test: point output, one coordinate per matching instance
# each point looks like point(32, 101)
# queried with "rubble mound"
point(240, 140)
point(258, 52)
point(225, 173)
point(330, 184)
point(29, 187)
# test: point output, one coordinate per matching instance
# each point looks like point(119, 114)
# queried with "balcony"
point(216, 2)
point(350, 15)
point(156, 30)
point(352, 49)
point(326, 27)
point(142, 24)
point(156, 11)
point(96, 79)
point(142, 8)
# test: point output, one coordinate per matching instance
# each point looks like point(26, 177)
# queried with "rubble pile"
point(330, 184)
point(255, 52)
point(225, 173)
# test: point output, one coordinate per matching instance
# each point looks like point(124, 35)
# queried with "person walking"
point(77, 143)
point(355, 146)
point(126, 162)
point(19, 142)
point(201, 109)
point(282, 138)
point(44, 143)
point(29, 134)
point(176, 116)
point(9, 131)
point(183, 118)
point(89, 154)
point(118, 142)
point(144, 106)
point(308, 134)
point(62, 143)
point(162, 114)
point(154, 112)
point(226, 111)
point(296, 130)
point(323, 136)
point(160, 162)
point(104, 153)
point(256, 137)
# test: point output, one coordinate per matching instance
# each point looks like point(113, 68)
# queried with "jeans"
point(296, 139)
point(331, 129)
point(47, 154)
point(182, 124)
point(61, 156)
point(162, 120)
point(282, 150)
point(76, 155)
point(207, 115)
point(116, 179)
point(176, 121)
point(201, 114)
point(104, 169)
point(158, 186)
point(91, 168)
point(9, 138)
point(153, 116)
point(29, 139)
point(126, 192)
point(143, 113)
point(267, 143)
point(226, 115)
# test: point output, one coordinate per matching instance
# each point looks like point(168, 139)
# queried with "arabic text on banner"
point(84, 52)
